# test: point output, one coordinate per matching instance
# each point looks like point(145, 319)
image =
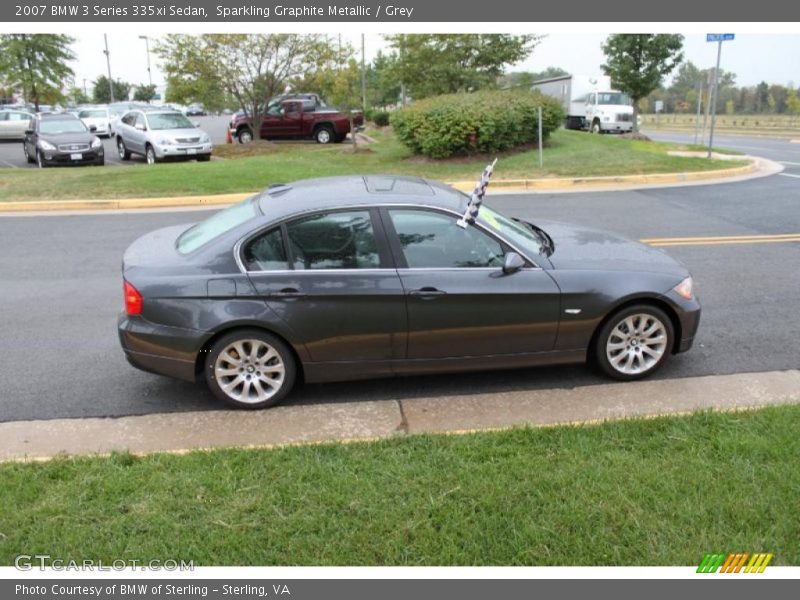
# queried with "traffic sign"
point(719, 37)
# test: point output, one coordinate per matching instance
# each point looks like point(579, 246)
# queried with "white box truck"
point(590, 103)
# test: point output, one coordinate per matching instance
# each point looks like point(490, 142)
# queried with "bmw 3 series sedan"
point(360, 277)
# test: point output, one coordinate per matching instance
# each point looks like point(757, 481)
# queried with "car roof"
point(282, 200)
point(57, 116)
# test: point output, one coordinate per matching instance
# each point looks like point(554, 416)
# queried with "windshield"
point(169, 121)
point(613, 98)
point(525, 238)
point(92, 114)
point(56, 126)
point(217, 224)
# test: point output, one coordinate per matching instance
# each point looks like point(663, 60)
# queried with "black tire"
point(124, 153)
point(150, 155)
point(28, 157)
point(249, 369)
point(204, 158)
point(595, 128)
point(244, 135)
point(634, 347)
point(324, 134)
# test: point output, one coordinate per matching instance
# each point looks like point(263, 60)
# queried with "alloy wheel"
point(636, 344)
point(250, 371)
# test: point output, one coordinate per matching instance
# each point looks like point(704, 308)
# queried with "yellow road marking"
point(723, 239)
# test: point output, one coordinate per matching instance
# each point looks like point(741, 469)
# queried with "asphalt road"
point(60, 292)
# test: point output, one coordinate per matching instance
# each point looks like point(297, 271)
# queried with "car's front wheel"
point(250, 368)
point(324, 135)
point(123, 152)
point(150, 155)
point(634, 342)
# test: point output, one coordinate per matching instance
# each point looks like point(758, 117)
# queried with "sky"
point(753, 57)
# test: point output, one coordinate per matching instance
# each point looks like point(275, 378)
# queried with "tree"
point(792, 102)
point(250, 68)
point(78, 96)
point(144, 93)
point(37, 64)
point(638, 63)
point(101, 93)
point(433, 64)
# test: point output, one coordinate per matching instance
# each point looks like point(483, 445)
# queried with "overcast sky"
point(753, 57)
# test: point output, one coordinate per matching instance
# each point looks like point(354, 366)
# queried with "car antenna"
point(471, 213)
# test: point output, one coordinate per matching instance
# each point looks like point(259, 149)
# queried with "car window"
point(139, 122)
point(129, 119)
point(266, 252)
point(337, 240)
point(434, 240)
point(217, 224)
point(92, 114)
point(15, 116)
point(57, 126)
point(169, 121)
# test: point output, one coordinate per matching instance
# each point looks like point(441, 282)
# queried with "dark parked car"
point(61, 139)
point(359, 277)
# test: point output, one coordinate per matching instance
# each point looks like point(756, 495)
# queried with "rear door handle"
point(427, 292)
point(287, 293)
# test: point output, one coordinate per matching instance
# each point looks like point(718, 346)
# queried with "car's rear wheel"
point(150, 155)
point(123, 152)
point(250, 369)
point(634, 342)
point(324, 135)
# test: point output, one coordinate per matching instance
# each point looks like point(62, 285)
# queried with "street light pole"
point(147, 49)
point(108, 64)
point(714, 99)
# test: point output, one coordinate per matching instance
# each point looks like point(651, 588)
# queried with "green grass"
point(570, 153)
point(642, 492)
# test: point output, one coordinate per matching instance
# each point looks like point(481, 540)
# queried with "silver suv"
point(161, 134)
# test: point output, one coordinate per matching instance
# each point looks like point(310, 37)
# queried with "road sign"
point(719, 37)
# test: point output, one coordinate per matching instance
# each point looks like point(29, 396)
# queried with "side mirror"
point(92, 128)
point(29, 132)
point(512, 262)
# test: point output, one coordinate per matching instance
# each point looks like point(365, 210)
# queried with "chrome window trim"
point(237, 247)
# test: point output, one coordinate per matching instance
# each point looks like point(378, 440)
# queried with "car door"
point(18, 122)
point(138, 134)
point(460, 302)
point(330, 278)
point(272, 125)
point(5, 125)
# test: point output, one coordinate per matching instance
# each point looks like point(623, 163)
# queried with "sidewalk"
point(758, 167)
point(348, 422)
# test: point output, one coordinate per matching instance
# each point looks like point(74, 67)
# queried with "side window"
point(336, 240)
point(129, 119)
point(4, 116)
point(433, 240)
point(266, 252)
point(12, 116)
point(140, 121)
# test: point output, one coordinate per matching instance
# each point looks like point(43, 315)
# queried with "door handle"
point(427, 293)
point(287, 293)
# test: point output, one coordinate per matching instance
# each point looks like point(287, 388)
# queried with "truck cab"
point(608, 111)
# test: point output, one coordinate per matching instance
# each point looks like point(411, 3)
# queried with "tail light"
point(133, 300)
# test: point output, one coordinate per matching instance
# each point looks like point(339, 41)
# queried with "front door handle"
point(287, 293)
point(427, 293)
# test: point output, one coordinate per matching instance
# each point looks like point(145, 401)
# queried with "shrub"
point(487, 121)
point(379, 117)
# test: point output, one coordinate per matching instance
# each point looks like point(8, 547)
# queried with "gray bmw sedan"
point(359, 277)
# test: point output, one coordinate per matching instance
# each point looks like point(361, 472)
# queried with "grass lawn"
point(570, 153)
point(643, 492)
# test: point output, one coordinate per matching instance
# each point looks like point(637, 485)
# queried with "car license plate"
point(76, 156)
point(191, 151)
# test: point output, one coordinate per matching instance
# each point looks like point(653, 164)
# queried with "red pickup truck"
point(296, 119)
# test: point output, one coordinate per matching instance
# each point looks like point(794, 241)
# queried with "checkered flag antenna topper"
point(471, 213)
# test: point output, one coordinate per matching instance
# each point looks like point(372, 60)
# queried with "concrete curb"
point(373, 420)
point(502, 185)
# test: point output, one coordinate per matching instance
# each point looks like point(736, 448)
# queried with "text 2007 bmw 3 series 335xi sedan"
point(357, 277)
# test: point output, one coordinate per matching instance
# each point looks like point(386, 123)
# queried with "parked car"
point(13, 124)
point(100, 117)
point(289, 119)
point(195, 110)
point(161, 134)
point(61, 139)
point(357, 277)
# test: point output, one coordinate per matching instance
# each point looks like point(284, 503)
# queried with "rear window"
point(217, 224)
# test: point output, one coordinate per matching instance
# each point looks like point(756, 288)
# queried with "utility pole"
point(714, 94)
point(108, 64)
point(363, 79)
point(147, 49)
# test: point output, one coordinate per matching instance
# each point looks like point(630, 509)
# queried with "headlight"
point(165, 142)
point(685, 289)
point(45, 145)
point(205, 139)
point(96, 143)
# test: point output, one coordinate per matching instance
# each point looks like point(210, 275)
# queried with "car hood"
point(182, 133)
point(585, 248)
point(68, 138)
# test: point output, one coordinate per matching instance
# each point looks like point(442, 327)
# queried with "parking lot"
point(11, 155)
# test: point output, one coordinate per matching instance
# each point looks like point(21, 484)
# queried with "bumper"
point(86, 157)
point(169, 351)
point(621, 126)
point(187, 151)
point(688, 312)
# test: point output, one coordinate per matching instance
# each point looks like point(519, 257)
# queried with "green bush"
point(379, 117)
point(490, 121)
